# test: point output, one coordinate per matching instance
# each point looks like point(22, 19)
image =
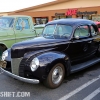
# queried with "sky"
point(12, 5)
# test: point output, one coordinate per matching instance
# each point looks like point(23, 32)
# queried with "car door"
point(23, 29)
point(7, 35)
point(82, 45)
point(95, 38)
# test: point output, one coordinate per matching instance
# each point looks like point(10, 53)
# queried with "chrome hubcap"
point(57, 75)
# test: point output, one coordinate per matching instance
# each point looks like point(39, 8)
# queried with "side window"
point(93, 32)
point(26, 23)
point(82, 31)
point(63, 30)
point(59, 30)
point(22, 23)
point(49, 29)
point(18, 24)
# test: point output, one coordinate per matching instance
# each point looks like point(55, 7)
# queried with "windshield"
point(6, 22)
point(57, 31)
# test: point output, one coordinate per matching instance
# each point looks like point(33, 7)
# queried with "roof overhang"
point(42, 5)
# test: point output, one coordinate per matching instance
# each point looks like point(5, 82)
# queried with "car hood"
point(40, 43)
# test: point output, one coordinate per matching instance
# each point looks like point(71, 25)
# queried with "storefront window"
point(96, 17)
point(85, 17)
point(60, 17)
point(68, 16)
point(78, 16)
point(41, 20)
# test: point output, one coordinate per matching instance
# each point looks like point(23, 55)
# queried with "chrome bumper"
point(33, 81)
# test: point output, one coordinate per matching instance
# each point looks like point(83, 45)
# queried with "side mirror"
point(37, 34)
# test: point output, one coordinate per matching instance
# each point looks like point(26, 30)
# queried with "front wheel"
point(56, 76)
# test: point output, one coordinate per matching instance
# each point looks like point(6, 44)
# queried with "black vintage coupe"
point(65, 46)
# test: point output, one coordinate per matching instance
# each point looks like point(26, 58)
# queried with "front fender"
point(49, 59)
point(46, 61)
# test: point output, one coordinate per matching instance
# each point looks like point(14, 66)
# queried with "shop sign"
point(76, 12)
point(86, 12)
point(59, 14)
point(71, 12)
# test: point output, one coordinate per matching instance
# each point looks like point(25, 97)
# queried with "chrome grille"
point(15, 62)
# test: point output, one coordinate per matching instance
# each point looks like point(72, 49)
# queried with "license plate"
point(3, 64)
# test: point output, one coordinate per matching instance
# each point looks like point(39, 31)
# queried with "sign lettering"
point(71, 12)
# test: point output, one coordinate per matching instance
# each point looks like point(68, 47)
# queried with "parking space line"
point(79, 89)
point(93, 94)
point(1, 71)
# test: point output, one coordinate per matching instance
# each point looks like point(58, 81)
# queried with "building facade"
point(41, 14)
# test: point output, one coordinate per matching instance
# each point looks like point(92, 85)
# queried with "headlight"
point(34, 64)
point(4, 55)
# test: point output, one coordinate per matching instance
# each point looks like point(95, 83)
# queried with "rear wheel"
point(56, 76)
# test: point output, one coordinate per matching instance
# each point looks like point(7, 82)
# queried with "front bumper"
point(33, 81)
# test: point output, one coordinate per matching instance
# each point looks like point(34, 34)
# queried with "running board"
point(84, 65)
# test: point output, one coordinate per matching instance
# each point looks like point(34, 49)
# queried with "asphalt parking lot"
point(84, 85)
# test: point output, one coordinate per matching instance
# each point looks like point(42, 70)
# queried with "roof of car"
point(71, 21)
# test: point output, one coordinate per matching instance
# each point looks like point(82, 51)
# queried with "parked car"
point(15, 28)
point(39, 28)
point(66, 46)
point(98, 25)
